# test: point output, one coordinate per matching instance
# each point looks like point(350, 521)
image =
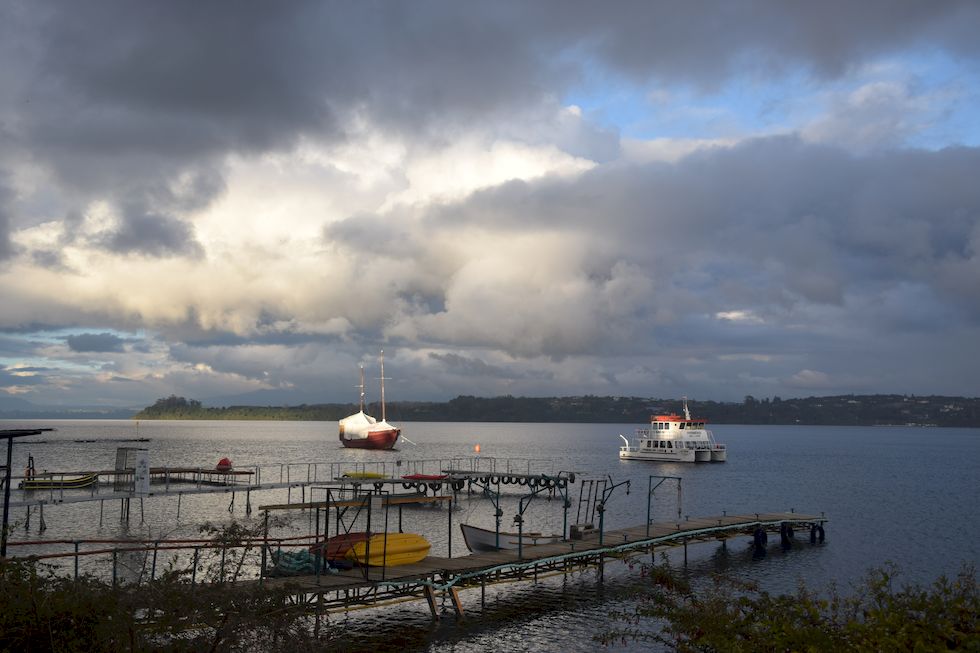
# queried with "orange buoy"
point(476, 449)
point(224, 465)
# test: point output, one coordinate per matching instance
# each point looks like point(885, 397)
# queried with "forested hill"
point(841, 410)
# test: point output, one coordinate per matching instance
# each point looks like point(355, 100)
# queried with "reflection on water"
point(888, 496)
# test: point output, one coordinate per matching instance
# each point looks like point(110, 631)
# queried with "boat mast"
point(362, 388)
point(687, 413)
point(383, 385)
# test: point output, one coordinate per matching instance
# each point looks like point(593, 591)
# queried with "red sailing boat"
point(361, 431)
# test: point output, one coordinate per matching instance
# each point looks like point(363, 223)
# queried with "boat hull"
point(336, 547)
point(483, 540)
point(399, 549)
point(664, 456)
point(719, 455)
point(59, 484)
point(373, 440)
point(363, 476)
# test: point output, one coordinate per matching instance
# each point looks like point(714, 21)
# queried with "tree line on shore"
point(839, 410)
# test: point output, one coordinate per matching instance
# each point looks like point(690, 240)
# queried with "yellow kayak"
point(401, 549)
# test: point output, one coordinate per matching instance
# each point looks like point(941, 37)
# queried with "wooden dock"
point(439, 576)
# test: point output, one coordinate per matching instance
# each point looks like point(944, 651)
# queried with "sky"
point(714, 199)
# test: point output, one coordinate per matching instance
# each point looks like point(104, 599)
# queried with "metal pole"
point(367, 542)
point(194, 568)
point(153, 568)
point(679, 497)
point(520, 535)
point(566, 504)
point(499, 514)
point(9, 435)
point(265, 546)
point(6, 498)
point(649, 502)
point(602, 516)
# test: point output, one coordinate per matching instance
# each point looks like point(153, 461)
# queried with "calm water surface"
point(901, 495)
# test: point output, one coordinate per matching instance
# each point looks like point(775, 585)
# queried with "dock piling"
point(153, 566)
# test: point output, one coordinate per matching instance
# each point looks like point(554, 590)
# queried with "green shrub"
point(733, 616)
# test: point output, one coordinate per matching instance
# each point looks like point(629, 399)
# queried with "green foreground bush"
point(41, 611)
point(733, 616)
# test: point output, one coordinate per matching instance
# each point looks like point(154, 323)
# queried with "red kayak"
point(336, 547)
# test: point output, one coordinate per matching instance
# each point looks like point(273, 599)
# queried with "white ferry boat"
point(673, 438)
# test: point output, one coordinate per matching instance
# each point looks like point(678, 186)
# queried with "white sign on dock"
point(141, 471)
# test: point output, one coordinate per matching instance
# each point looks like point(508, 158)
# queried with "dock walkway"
point(439, 575)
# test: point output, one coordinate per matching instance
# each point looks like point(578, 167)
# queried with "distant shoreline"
point(842, 410)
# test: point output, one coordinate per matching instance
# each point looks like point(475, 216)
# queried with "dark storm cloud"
point(6, 246)
point(15, 347)
point(153, 235)
point(96, 343)
point(142, 105)
point(702, 43)
point(49, 259)
point(23, 376)
point(195, 77)
point(474, 367)
point(124, 89)
point(368, 232)
point(774, 226)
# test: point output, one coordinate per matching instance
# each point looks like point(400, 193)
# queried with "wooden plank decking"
point(444, 573)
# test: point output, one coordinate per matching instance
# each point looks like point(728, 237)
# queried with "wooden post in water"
point(457, 605)
point(430, 598)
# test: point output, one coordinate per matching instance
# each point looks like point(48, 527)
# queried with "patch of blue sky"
point(942, 95)
point(744, 106)
point(44, 366)
point(952, 89)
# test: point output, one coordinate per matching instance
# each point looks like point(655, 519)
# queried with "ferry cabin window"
point(682, 424)
point(670, 445)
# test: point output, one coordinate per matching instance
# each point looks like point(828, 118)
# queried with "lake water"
point(892, 494)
